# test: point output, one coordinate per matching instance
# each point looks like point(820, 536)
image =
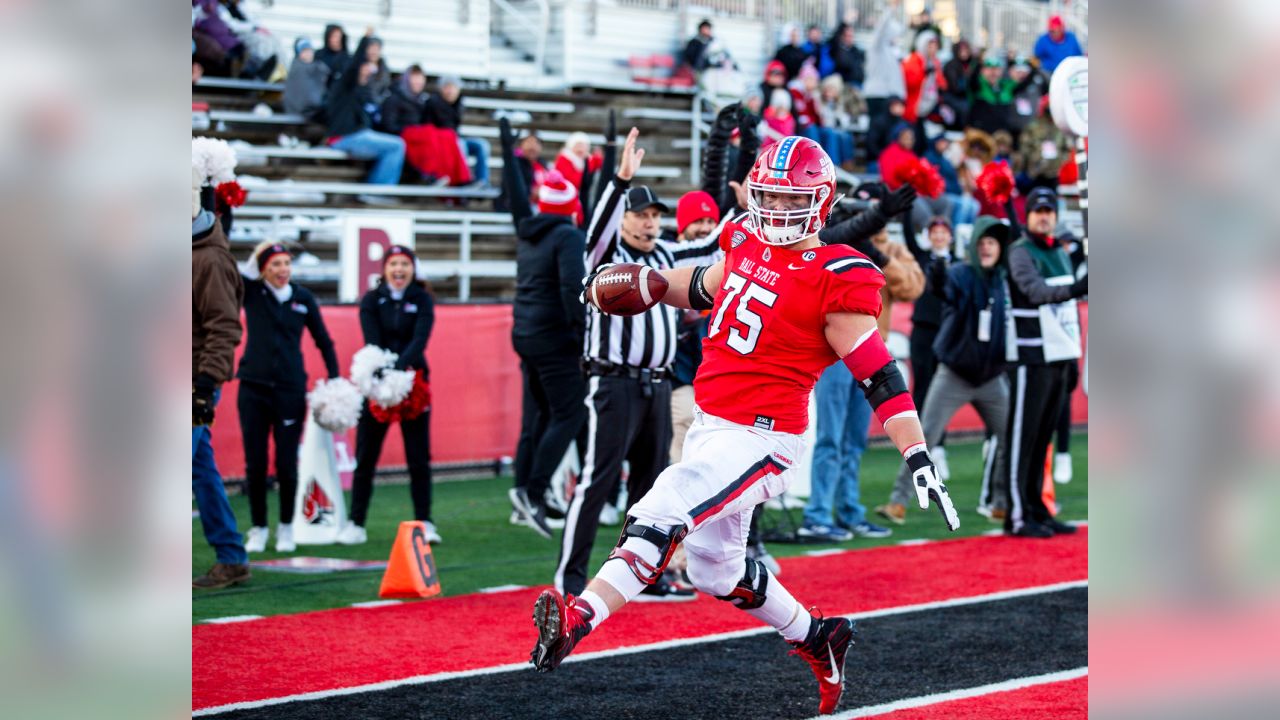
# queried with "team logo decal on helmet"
point(799, 168)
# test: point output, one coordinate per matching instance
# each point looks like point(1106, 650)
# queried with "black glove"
point(727, 119)
point(504, 133)
point(898, 201)
point(1080, 288)
point(202, 400)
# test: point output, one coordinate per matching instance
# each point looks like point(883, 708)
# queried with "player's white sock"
point(781, 610)
point(618, 573)
point(597, 605)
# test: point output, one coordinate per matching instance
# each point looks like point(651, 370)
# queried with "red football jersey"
point(766, 344)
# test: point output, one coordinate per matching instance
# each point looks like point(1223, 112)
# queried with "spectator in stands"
point(216, 294)
point(432, 151)
point(444, 109)
point(273, 384)
point(1056, 45)
point(218, 48)
point(547, 329)
point(847, 59)
point(369, 52)
point(837, 107)
point(533, 171)
point(992, 92)
point(261, 51)
point(406, 104)
point(778, 120)
point(964, 208)
point(334, 54)
point(1044, 150)
point(775, 78)
point(817, 52)
point(923, 23)
point(884, 73)
point(926, 315)
point(397, 315)
point(350, 111)
point(922, 75)
point(575, 159)
point(304, 89)
point(792, 55)
point(1029, 86)
point(957, 72)
point(880, 133)
point(804, 102)
point(695, 51)
point(970, 347)
point(900, 154)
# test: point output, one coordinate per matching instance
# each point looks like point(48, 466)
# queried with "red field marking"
point(291, 654)
point(1065, 700)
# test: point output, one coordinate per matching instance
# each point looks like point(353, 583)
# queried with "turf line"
point(924, 700)
point(630, 650)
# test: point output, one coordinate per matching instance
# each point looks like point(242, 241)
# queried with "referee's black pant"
point(553, 412)
point(1037, 394)
point(266, 411)
point(627, 419)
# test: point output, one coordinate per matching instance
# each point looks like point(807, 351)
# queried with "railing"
point(536, 28)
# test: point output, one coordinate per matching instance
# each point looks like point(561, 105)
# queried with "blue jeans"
point(964, 209)
point(479, 149)
point(216, 518)
point(843, 419)
point(386, 150)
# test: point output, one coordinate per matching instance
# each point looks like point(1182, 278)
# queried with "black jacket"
point(850, 62)
point(441, 113)
point(401, 326)
point(792, 58)
point(352, 107)
point(549, 271)
point(965, 291)
point(400, 111)
point(336, 59)
point(273, 352)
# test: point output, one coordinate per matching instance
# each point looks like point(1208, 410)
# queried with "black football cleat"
point(825, 648)
point(561, 625)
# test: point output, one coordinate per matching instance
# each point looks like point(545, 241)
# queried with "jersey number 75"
point(745, 326)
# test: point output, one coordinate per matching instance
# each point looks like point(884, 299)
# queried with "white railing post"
point(695, 140)
point(464, 256)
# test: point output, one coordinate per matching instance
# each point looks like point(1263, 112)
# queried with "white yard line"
point(924, 700)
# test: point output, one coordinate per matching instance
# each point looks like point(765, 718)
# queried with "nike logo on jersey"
point(835, 671)
point(794, 267)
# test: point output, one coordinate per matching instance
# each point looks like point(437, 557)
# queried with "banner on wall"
point(365, 239)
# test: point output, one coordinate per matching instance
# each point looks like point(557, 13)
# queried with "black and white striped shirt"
point(647, 340)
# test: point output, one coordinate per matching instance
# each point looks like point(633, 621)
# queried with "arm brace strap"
point(699, 298)
point(878, 375)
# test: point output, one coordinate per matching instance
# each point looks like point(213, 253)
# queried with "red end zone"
point(308, 652)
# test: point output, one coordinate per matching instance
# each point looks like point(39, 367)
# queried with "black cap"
point(1041, 198)
point(641, 197)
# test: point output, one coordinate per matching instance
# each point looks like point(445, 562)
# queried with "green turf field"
point(481, 549)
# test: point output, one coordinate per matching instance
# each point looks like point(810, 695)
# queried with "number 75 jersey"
point(767, 345)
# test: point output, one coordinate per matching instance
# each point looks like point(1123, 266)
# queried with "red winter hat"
point(695, 206)
point(1056, 23)
point(558, 196)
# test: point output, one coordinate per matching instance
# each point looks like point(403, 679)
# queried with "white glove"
point(924, 477)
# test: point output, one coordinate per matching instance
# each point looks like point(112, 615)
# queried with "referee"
point(628, 365)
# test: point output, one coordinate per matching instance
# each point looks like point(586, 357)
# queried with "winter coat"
point(992, 107)
point(549, 272)
point(1051, 53)
point(1026, 99)
point(966, 290)
point(1044, 150)
point(336, 60)
point(957, 74)
point(273, 352)
point(401, 110)
point(695, 52)
point(848, 62)
point(212, 25)
point(791, 57)
point(916, 73)
point(402, 326)
point(442, 113)
point(950, 176)
point(884, 74)
point(305, 86)
point(352, 107)
point(216, 295)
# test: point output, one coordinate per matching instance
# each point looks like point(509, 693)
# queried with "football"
point(627, 289)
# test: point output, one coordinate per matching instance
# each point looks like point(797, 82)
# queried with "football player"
point(784, 307)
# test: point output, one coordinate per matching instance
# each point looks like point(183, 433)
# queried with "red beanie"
point(1056, 22)
point(558, 196)
point(695, 206)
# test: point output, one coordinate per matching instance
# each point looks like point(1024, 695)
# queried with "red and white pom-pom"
point(921, 175)
point(230, 194)
point(418, 401)
point(335, 404)
point(391, 388)
point(996, 182)
point(214, 158)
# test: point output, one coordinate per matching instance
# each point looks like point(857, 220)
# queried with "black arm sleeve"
point(856, 232)
point(320, 333)
point(572, 268)
point(1015, 228)
point(421, 333)
point(937, 279)
point(922, 256)
point(601, 179)
point(512, 178)
point(715, 160)
point(370, 327)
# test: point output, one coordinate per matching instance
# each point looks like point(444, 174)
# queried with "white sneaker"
point(284, 539)
point(433, 537)
point(609, 515)
point(256, 539)
point(939, 457)
point(516, 518)
point(1062, 468)
point(352, 535)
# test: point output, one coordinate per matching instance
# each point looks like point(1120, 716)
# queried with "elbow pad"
point(879, 378)
point(699, 298)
